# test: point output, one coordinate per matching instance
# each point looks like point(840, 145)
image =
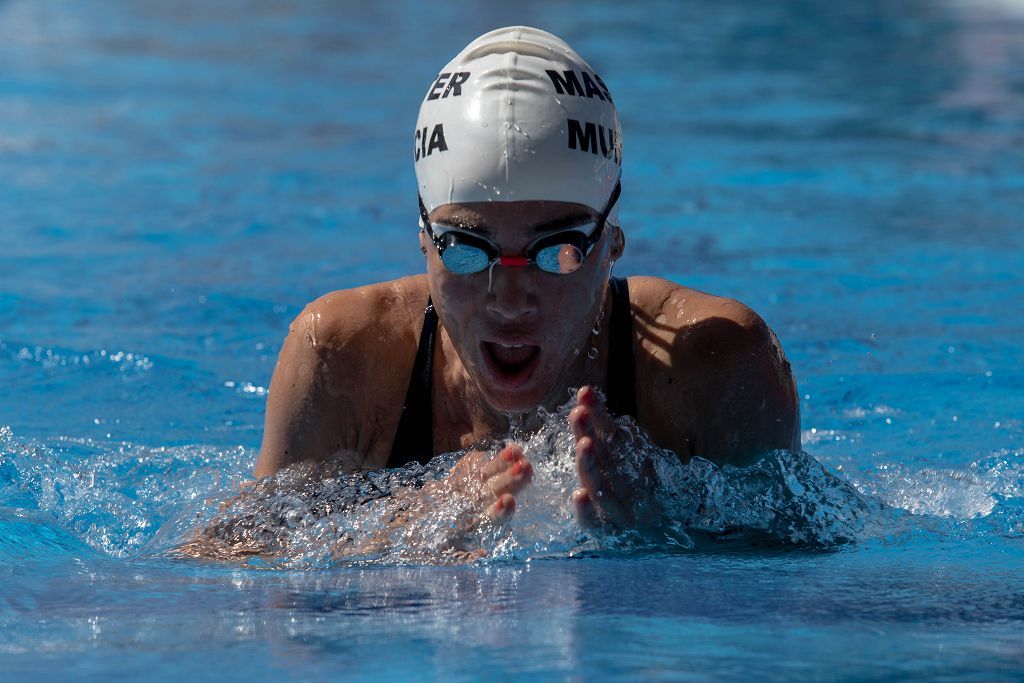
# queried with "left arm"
point(718, 384)
point(718, 387)
point(748, 404)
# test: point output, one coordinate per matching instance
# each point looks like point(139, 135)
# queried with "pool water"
point(178, 180)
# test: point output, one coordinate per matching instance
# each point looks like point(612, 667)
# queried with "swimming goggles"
point(561, 253)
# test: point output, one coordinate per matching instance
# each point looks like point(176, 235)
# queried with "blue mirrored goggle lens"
point(560, 259)
point(463, 259)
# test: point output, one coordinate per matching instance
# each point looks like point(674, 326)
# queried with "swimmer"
point(518, 159)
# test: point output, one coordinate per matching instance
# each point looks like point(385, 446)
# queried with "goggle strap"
point(612, 199)
point(424, 218)
point(604, 214)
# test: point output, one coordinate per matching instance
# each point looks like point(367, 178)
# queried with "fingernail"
point(517, 468)
point(499, 504)
point(507, 455)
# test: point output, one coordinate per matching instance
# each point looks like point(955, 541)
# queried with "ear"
point(618, 243)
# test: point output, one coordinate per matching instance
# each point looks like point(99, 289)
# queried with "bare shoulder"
point(718, 382)
point(664, 310)
point(364, 321)
point(341, 371)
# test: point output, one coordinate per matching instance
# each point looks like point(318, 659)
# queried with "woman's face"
point(519, 331)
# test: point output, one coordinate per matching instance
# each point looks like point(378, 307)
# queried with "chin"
point(523, 400)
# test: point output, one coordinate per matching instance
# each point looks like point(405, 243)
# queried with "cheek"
point(456, 299)
point(572, 311)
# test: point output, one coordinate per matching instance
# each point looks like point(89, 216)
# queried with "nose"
point(512, 296)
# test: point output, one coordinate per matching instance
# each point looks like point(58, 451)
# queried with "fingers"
point(508, 456)
point(588, 397)
point(589, 417)
point(586, 465)
point(502, 509)
point(497, 512)
point(510, 480)
point(482, 478)
point(597, 500)
point(583, 506)
point(595, 483)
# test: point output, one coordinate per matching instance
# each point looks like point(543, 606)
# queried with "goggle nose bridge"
point(513, 261)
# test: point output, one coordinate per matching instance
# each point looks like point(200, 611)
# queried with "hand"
point(487, 485)
point(478, 489)
point(430, 523)
point(609, 494)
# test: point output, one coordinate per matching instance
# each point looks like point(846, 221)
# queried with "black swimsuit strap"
point(621, 366)
point(414, 440)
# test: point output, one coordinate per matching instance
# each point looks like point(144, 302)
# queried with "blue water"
point(178, 179)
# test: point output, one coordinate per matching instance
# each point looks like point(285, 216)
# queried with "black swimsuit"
point(414, 440)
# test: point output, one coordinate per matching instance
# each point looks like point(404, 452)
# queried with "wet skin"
point(711, 378)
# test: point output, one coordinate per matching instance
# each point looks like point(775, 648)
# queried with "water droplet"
point(592, 354)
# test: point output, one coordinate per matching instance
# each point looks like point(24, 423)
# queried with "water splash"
point(308, 516)
point(117, 498)
point(126, 500)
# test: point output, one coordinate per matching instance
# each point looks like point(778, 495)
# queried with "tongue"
point(511, 357)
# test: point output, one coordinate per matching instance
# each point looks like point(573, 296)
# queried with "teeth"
point(512, 346)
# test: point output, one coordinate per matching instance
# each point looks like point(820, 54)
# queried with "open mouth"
point(511, 363)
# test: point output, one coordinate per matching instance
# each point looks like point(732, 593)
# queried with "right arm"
point(306, 403)
point(335, 390)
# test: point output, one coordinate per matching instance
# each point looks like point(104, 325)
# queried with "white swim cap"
point(518, 115)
